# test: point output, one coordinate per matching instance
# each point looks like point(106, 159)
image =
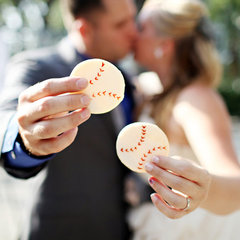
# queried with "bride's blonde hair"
point(185, 21)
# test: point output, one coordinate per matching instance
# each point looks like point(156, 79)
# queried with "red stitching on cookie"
point(110, 94)
point(142, 137)
point(145, 155)
point(143, 159)
point(98, 74)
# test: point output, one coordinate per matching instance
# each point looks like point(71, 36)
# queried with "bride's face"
point(146, 44)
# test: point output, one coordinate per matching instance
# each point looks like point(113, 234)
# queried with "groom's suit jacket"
point(82, 194)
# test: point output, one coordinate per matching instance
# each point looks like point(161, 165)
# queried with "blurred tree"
point(226, 16)
point(27, 24)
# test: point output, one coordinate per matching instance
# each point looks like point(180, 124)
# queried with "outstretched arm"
point(207, 126)
point(181, 185)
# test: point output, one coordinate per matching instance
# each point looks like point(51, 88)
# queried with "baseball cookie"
point(106, 84)
point(138, 142)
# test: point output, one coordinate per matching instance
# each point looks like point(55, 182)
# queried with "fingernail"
point(155, 159)
point(82, 83)
point(149, 167)
point(85, 100)
point(151, 180)
point(153, 197)
point(85, 113)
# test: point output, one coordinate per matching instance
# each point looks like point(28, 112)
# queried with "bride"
point(175, 41)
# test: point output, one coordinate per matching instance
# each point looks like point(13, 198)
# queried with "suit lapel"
point(69, 54)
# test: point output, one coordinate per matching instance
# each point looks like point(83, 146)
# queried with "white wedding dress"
point(148, 223)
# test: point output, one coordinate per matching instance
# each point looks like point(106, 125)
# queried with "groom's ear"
point(82, 26)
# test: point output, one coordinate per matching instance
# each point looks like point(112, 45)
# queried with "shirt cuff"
point(17, 158)
point(10, 135)
point(14, 153)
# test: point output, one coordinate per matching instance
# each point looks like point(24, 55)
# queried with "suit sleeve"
point(20, 75)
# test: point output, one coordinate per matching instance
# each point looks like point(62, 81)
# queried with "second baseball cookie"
point(106, 84)
point(138, 142)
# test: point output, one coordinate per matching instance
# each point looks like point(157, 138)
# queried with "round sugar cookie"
point(106, 84)
point(138, 142)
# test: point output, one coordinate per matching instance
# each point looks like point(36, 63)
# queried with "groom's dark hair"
point(78, 8)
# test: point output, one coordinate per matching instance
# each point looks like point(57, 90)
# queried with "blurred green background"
point(26, 24)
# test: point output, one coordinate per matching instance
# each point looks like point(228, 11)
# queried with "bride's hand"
point(180, 185)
